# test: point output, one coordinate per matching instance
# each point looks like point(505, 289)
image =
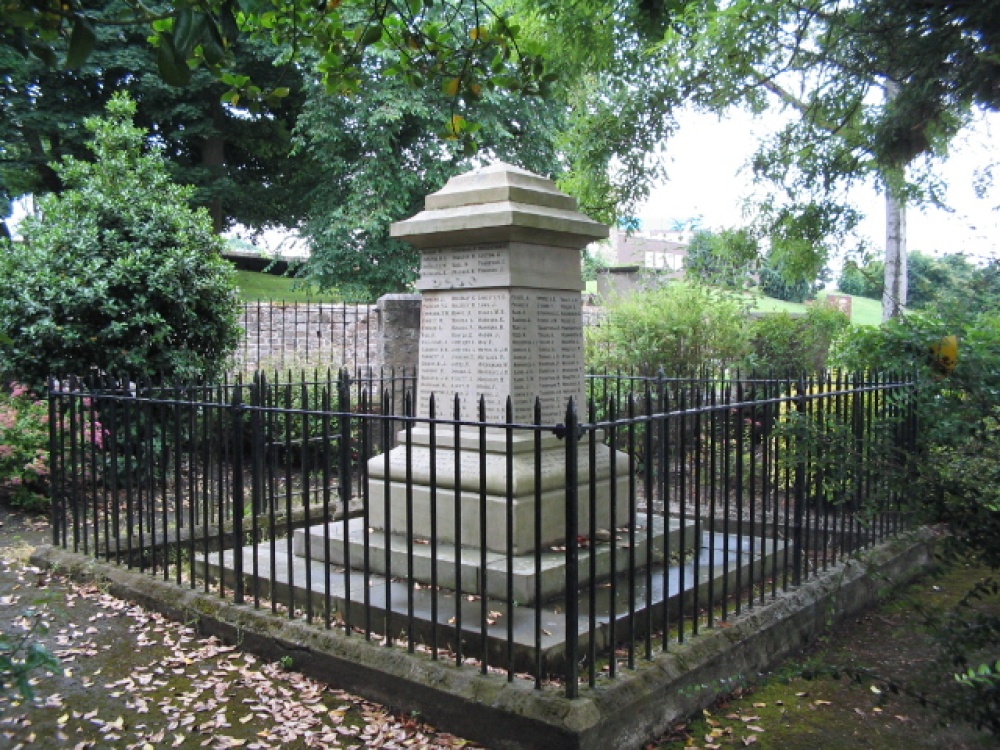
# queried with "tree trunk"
point(213, 156)
point(894, 295)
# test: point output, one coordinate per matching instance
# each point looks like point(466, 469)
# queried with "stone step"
point(452, 619)
point(471, 567)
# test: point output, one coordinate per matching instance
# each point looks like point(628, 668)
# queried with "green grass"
point(262, 286)
point(863, 311)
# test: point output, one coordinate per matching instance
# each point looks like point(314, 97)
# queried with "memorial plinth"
point(501, 317)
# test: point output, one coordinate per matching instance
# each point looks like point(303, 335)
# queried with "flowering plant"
point(24, 441)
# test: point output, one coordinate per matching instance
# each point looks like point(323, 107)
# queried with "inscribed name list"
point(525, 343)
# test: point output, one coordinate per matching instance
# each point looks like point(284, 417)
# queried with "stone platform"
point(386, 605)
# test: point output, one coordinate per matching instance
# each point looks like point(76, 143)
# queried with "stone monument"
point(501, 317)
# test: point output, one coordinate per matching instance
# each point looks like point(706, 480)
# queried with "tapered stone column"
point(501, 282)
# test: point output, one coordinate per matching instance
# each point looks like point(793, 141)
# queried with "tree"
point(238, 161)
point(726, 258)
point(774, 282)
point(872, 89)
point(932, 280)
point(618, 118)
point(948, 280)
point(117, 274)
point(381, 156)
point(461, 44)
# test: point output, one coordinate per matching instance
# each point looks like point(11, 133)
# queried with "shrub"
point(795, 344)
point(956, 474)
point(863, 281)
point(117, 274)
point(680, 327)
point(24, 441)
point(774, 284)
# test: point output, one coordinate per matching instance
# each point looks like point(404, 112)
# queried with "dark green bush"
point(117, 274)
point(955, 477)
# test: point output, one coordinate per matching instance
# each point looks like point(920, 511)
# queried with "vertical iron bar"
point(127, 449)
point(538, 541)
point(457, 438)
point(432, 435)
point(572, 556)
point(483, 572)
point(387, 424)
point(699, 440)
point(410, 578)
point(682, 499)
point(509, 608)
point(613, 424)
point(713, 467)
point(366, 450)
point(306, 485)
point(238, 412)
point(632, 521)
point(289, 416)
point(649, 489)
point(799, 452)
point(177, 410)
point(326, 430)
point(345, 485)
point(58, 507)
point(592, 558)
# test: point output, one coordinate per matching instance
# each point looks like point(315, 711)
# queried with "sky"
point(708, 178)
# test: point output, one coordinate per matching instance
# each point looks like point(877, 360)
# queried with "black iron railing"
point(677, 504)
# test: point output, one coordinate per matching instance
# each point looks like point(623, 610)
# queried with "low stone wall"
point(299, 335)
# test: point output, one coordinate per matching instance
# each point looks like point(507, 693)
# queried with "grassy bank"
point(263, 286)
point(864, 312)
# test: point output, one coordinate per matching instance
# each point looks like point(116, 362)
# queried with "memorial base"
point(514, 481)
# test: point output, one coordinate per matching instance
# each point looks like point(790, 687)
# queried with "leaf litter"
point(134, 680)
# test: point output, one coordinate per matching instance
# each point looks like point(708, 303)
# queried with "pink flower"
point(6, 451)
point(38, 467)
point(8, 418)
point(97, 434)
point(17, 390)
